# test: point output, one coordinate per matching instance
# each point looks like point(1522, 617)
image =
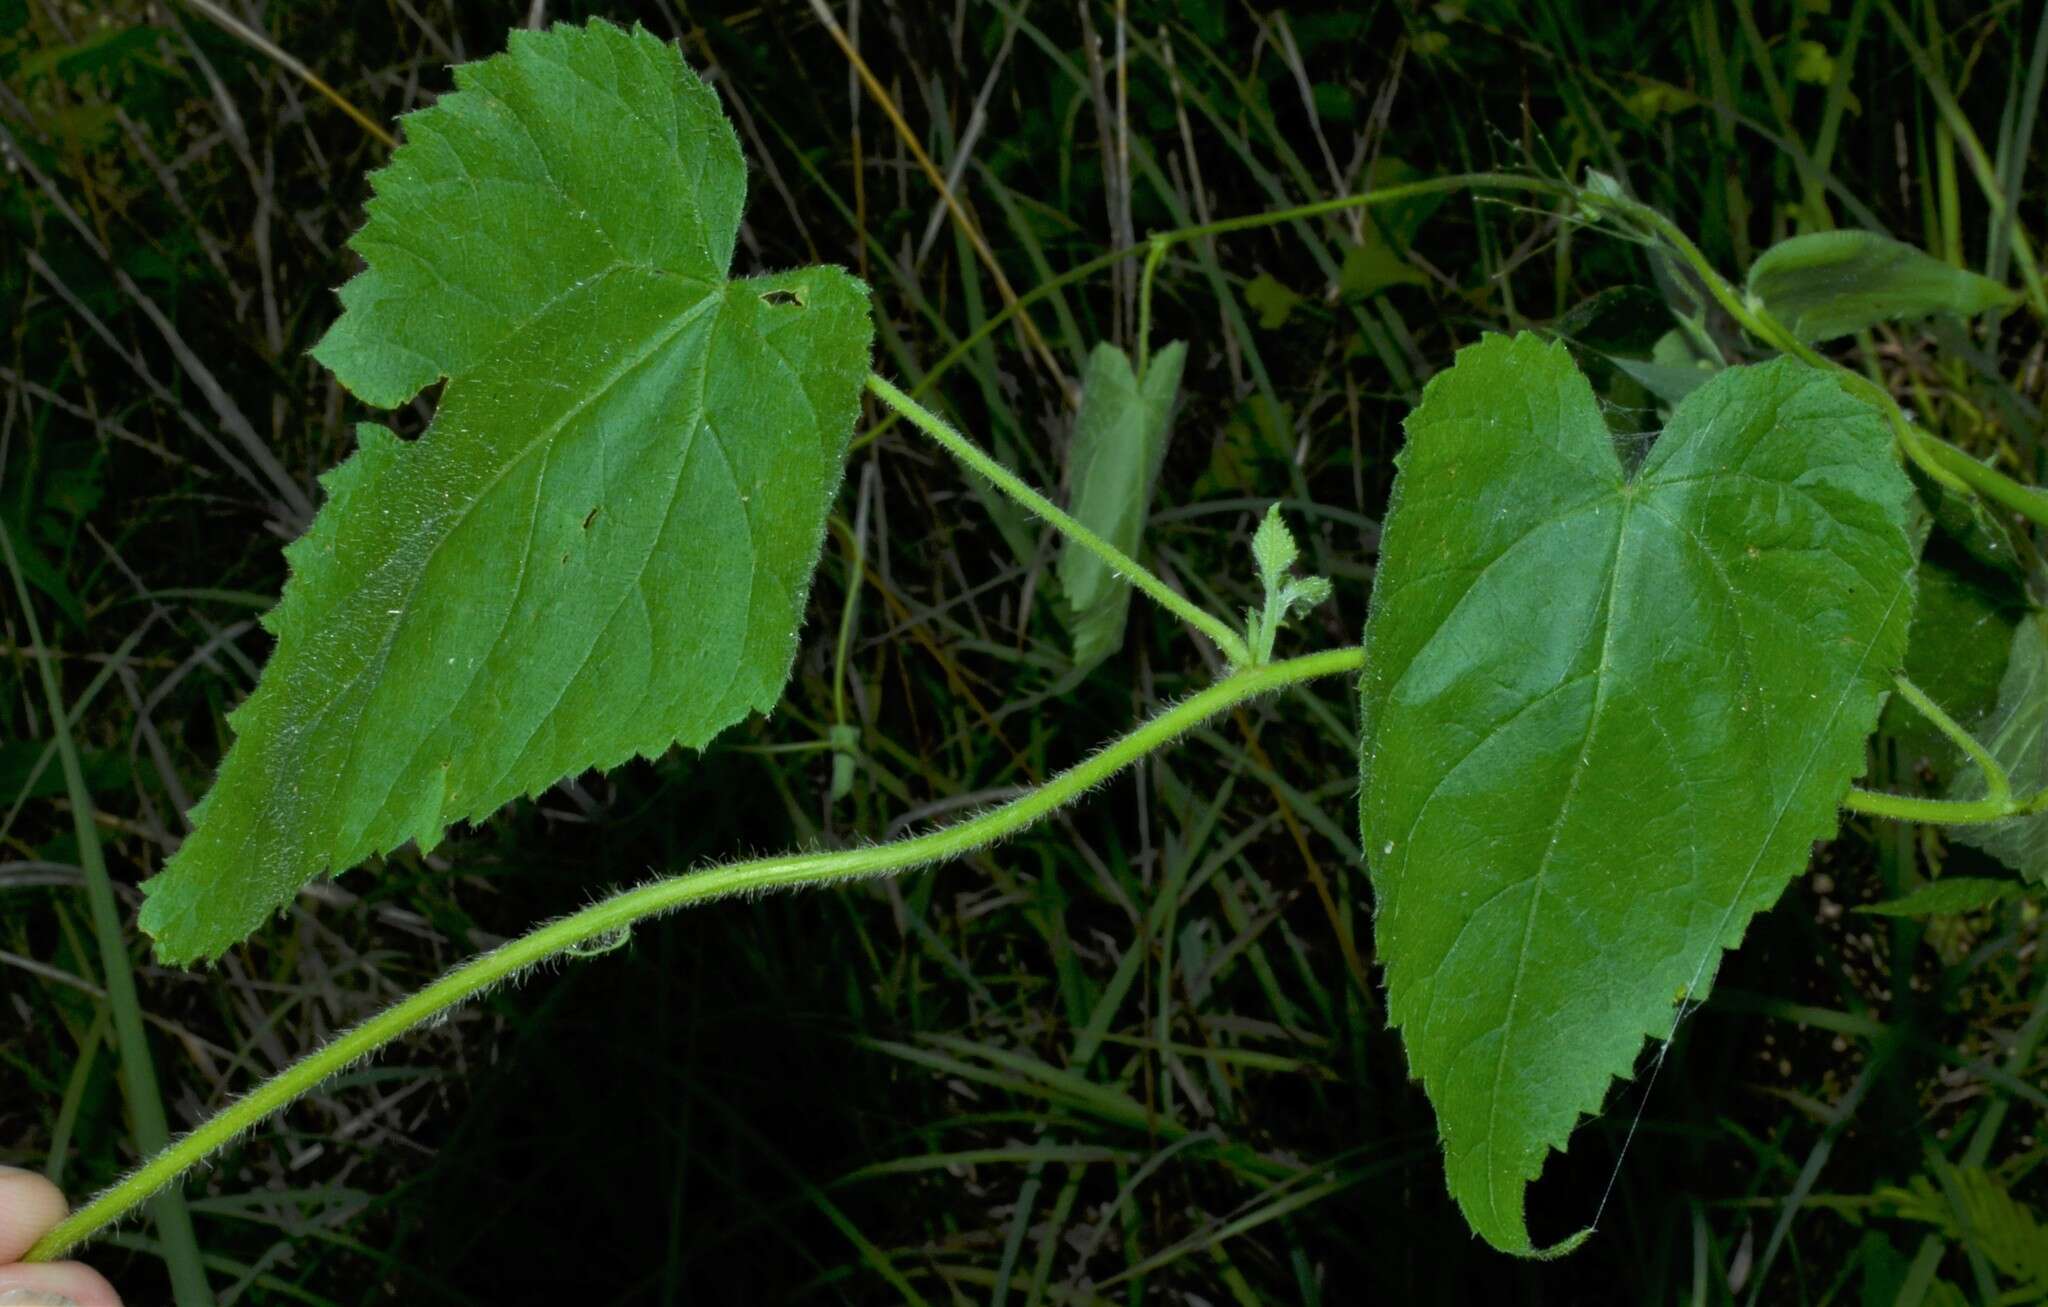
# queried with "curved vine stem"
point(1998, 803)
point(1997, 785)
point(1940, 460)
point(2028, 501)
point(1116, 560)
point(1944, 812)
point(1155, 254)
point(608, 920)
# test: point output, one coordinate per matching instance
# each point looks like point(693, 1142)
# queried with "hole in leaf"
point(590, 517)
point(779, 297)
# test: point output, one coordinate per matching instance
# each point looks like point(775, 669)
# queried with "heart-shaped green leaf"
point(602, 545)
point(1606, 716)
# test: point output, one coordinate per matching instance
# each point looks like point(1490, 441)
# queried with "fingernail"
point(34, 1298)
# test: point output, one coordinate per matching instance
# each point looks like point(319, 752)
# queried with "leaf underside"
point(1828, 284)
point(602, 545)
point(2017, 735)
point(1120, 437)
point(1605, 719)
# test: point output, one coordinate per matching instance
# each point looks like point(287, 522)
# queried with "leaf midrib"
point(544, 438)
point(1781, 809)
point(1600, 684)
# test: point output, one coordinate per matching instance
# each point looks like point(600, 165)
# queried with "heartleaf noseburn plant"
point(1609, 697)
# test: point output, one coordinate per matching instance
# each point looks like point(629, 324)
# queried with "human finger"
point(55, 1284)
point(29, 1205)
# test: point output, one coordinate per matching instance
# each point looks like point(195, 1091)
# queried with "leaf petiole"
point(1943, 812)
point(1997, 785)
point(1997, 804)
point(1155, 253)
point(1226, 640)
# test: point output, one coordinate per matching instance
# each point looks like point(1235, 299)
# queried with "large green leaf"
point(602, 545)
point(1606, 716)
point(1835, 283)
point(2017, 735)
point(1119, 439)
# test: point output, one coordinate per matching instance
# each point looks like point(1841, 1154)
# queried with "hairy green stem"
point(611, 918)
point(138, 1072)
point(1116, 560)
point(1998, 803)
point(1155, 252)
point(1997, 785)
point(1944, 812)
point(2028, 501)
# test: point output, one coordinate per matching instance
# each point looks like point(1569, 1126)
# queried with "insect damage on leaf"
point(1606, 715)
point(602, 546)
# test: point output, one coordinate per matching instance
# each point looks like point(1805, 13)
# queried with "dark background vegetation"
point(1138, 1054)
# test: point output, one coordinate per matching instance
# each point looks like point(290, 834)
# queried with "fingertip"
point(29, 1205)
point(55, 1282)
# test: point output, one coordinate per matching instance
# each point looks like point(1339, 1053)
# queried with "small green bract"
point(602, 546)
